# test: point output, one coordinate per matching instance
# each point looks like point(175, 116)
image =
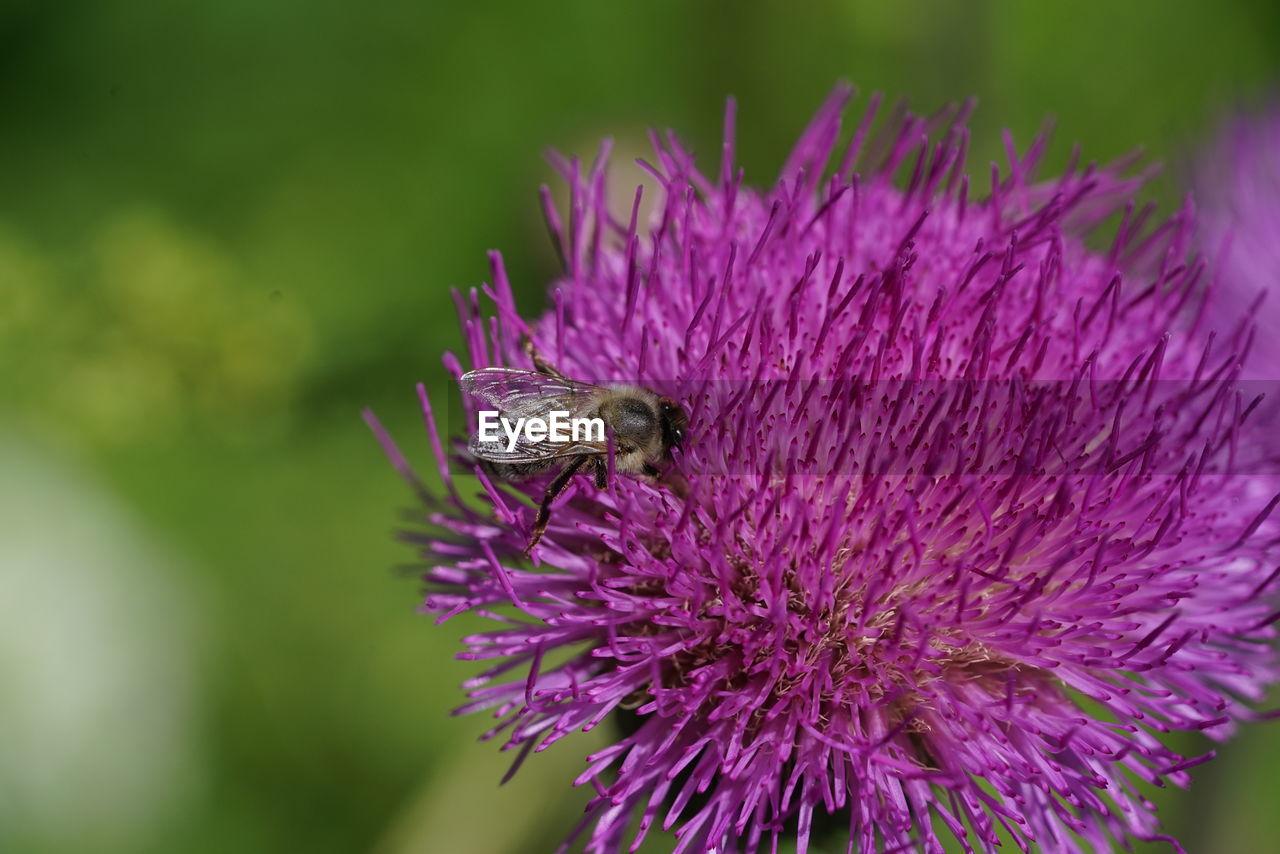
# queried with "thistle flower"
point(966, 527)
point(1238, 186)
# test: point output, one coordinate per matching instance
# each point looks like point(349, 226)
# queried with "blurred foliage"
point(225, 227)
point(171, 344)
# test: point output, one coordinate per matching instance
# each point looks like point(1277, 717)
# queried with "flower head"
point(964, 528)
point(1238, 187)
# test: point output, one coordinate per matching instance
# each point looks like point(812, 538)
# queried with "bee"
point(645, 425)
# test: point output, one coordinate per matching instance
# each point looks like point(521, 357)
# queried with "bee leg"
point(600, 469)
point(677, 483)
point(554, 489)
point(540, 362)
point(650, 471)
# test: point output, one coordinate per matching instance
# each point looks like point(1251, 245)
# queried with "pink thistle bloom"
point(968, 523)
point(1238, 187)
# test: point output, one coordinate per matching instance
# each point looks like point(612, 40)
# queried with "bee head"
point(674, 422)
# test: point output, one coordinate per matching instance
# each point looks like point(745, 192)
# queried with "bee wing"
point(525, 451)
point(523, 394)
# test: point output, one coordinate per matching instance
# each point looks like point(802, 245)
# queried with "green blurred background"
point(226, 227)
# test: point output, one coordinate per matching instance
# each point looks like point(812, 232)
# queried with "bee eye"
point(673, 423)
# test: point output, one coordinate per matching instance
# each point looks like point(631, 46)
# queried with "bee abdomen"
point(515, 471)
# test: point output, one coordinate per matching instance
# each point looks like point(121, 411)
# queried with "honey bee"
point(645, 427)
